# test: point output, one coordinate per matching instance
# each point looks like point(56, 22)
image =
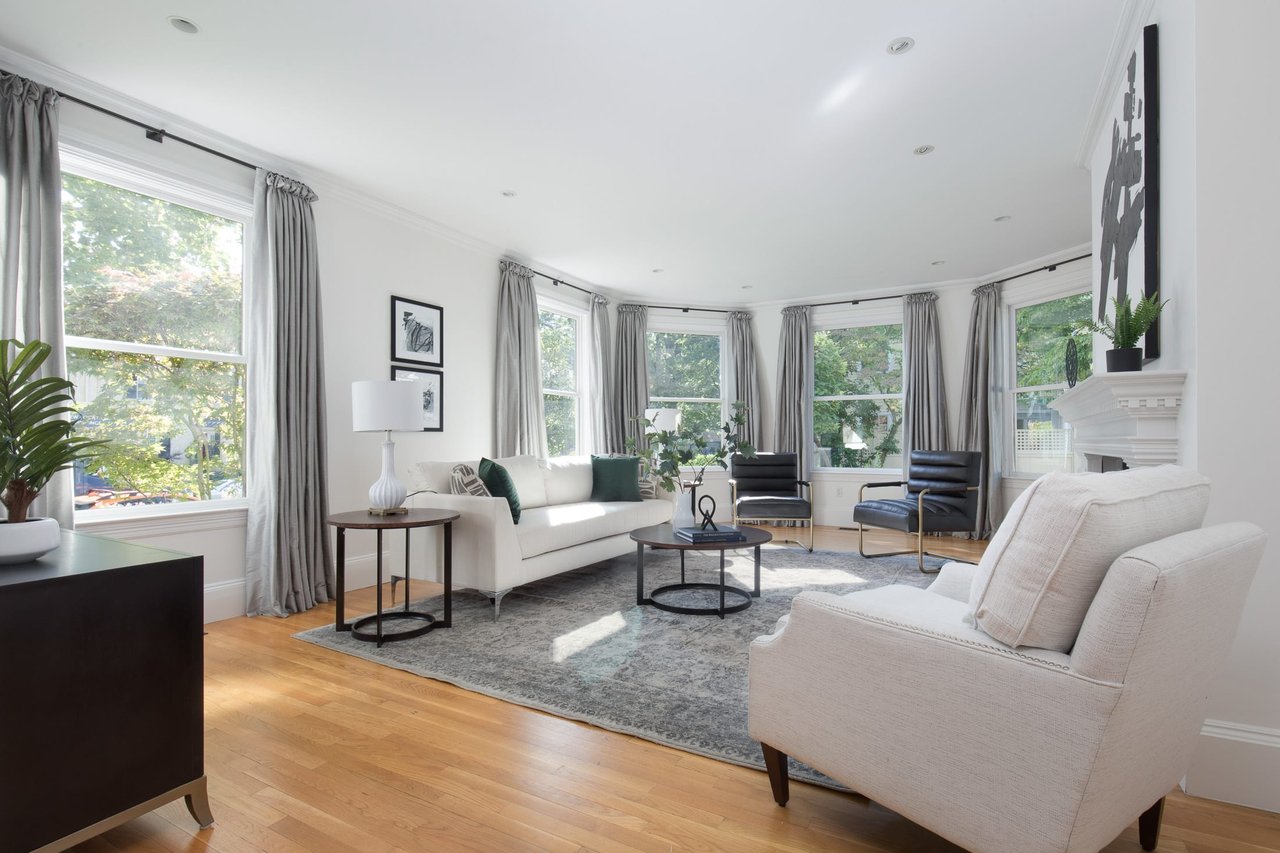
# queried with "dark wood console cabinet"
point(101, 690)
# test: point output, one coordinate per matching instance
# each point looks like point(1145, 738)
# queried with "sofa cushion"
point(526, 473)
point(773, 507)
point(1044, 565)
point(568, 480)
point(551, 528)
point(615, 478)
point(500, 485)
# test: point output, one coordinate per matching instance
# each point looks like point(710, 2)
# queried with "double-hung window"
point(561, 336)
point(857, 396)
point(686, 373)
point(1041, 330)
point(153, 287)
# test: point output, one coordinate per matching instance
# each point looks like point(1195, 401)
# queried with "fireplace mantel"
point(1129, 416)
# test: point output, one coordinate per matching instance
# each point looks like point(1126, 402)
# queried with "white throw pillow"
point(526, 473)
point(568, 480)
point(1044, 565)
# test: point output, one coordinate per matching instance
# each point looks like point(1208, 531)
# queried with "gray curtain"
point(744, 384)
point(794, 427)
point(606, 427)
point(633, 370)
point(925, 399)
point(981, 424)
point(31, 242)
point(288, 562)
point(522, 429)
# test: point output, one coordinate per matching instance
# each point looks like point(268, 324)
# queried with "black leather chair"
point(767, 487)
point(943, 487)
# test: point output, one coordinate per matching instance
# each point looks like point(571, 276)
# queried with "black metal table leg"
point(640, 573)
point(407, 597)
point(682, 567)
point(722, 584)
point(448, 574)
point(756, 593)
point(379, 621)
point(341, 622)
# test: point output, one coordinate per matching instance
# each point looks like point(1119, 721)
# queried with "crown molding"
point(1133, 17)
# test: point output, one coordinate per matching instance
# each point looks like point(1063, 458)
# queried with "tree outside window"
point(684, 374)
point(152, 296)
point(857, 397)
point(1042, 440)
point(558, 339)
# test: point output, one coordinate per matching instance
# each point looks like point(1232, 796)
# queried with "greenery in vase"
point(1130, 322)
point(667, 451)
point(35, 442)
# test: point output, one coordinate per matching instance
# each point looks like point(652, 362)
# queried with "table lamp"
point(386, 405)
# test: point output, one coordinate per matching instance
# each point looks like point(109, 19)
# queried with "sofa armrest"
point(851, 685)
point(954, 581)
point(484, 539)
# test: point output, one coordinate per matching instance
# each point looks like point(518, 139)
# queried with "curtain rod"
point(557, 282)
point(1045, 268)
point(155, 134)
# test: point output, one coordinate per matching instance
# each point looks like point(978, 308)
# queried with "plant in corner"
point(1124, 332)
point(666, 452)
point(35, 442)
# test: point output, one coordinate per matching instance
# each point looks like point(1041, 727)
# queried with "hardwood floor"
point(311, 750)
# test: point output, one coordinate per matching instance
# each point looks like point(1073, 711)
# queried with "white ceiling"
point(732, 143)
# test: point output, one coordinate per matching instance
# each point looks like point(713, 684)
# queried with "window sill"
point(166, 520)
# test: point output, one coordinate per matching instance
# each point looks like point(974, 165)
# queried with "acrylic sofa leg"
point(776, 763)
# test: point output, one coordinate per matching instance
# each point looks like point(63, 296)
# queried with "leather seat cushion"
point(773, 507)
point(900, 514)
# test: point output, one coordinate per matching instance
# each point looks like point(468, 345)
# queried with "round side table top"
point(664, 536)
point(365, 520)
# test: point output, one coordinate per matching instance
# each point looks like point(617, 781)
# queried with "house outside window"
point(858, 396)
point(560, 336)
point(1041, 439)
point(686, 373)
point(153, 293)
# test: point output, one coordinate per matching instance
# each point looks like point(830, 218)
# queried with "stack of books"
point(724, 533)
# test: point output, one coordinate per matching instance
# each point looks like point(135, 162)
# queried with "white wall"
point(1236, 222)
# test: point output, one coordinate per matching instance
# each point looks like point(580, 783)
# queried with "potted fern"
point(1124, 332)
point(35, 444)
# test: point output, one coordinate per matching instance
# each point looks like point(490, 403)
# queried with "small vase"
point(24, 541)
point(1124, 360)
point(684, 515)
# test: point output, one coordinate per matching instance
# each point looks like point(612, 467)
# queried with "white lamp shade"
point(662, 420)
point(386, 404)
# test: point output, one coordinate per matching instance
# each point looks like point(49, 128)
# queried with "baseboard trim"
point(1236, 763)
point(223, 600)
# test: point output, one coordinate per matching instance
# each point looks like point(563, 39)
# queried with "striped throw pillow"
point(465, 481)
point(648, 488)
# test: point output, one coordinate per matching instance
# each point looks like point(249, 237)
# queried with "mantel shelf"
point(1132, 416)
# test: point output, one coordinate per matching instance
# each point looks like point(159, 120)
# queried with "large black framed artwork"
point(432, 382)
point(1126, 176)
point(417, 332)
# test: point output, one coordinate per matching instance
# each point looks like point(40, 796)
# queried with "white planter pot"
point(27, 540)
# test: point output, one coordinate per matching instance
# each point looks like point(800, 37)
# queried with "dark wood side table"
point(102, 673)
point(663, 537)
point(363, 520)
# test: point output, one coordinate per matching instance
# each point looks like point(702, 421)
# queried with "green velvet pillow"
point(500, 485)
point(615, 478)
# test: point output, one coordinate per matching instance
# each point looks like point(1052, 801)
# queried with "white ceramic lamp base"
point(386, 496)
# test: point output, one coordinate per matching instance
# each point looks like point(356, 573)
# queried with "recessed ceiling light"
point(508, 193)
point(1004, 218)
point(936, 263)
point(747, 286)
point(184, 25)
point(901, 45)
point(659, 270)
point(922, 150)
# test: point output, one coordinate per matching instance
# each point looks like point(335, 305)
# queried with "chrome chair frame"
point(919, 550)
point(733, 492)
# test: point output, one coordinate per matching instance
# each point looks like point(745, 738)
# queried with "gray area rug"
point(576, 645)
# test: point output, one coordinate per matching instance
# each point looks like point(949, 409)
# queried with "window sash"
point(77, 342)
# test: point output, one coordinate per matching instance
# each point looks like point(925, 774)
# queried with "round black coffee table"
point(663, 537)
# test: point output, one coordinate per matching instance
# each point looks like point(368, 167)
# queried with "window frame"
point(198, 192)
point(684, 324)
point(581, 316)
point(830, 319)
point(1071, 282)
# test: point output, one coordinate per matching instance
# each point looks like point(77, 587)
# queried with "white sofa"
point(560, 527)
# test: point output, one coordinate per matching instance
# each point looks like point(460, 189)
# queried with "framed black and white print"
point(417, 332)
point(432, 382)
point(1126, 187)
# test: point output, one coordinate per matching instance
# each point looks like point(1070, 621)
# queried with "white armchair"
point(897, 693)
